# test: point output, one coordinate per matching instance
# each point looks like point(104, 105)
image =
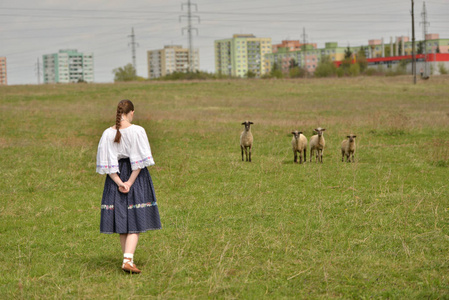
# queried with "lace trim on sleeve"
point(107, 169)
point(144, 162)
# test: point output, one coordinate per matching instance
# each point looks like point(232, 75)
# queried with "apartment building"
point(171, 59)
point(402, 46)
point(307, 57)
point(241, 54)
point(3, 74)
point(68, 66)
point(292, 45)
point(377, 51)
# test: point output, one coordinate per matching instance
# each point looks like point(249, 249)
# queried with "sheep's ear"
point(293, 132)
point(354, 136)
point(251, 123)
point(300, 132)
point(243, 123)
point(323, 129)
point(348, 136)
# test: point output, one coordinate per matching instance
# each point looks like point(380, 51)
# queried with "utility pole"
point(133, 47)
point(38, 71)
point(413, 45)
point(189, 29)
point(425, 23)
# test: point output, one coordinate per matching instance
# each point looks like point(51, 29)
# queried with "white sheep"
point(246, 140)
point(299, 144)
point(317, 143)
point(348, 148)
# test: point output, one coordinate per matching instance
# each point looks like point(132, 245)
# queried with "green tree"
point(442, 68)
point(348, 52)
point(276, 71)
point(361, 60)
point(297, 72)
point(420, 47)
point(325, 68)
point(126, 73)
point(250, 74)
point(292, 64)
point(354, 70)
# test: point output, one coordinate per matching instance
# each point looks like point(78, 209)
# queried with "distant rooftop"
point(172, 46)
point(249, 35)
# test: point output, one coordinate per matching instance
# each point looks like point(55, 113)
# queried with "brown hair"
point(123, 107)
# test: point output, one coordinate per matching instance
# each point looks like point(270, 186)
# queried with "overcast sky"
point(32, 28)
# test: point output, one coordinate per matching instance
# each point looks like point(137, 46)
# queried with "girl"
point(128, 206)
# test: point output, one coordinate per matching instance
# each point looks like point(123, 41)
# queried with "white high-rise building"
point(171, 59)
point(68, 66)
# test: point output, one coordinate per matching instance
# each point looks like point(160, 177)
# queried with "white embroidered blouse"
point(133, 144)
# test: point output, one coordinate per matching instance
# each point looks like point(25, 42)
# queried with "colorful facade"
point(308, 56)
point(241, 54)
point(402, 46)
point(3, 73)
point(291, 45)
point(68, 66)
point(171, 59)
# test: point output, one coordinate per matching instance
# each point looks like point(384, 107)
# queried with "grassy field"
point(377, 228)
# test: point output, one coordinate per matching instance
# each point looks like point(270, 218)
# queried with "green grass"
point(267, 229)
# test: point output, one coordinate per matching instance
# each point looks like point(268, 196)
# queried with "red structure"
point(431, 57)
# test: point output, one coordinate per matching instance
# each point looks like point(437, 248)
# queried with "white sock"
point(128, 256)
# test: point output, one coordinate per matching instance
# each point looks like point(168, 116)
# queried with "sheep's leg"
point(246, 153)
point(311, 155)
point(353, 158)
point(241, 147)
point(321, 156)
point(295, 156)
point(305, 155)
point(300, 157)
point(342, 156)
point(250, 153)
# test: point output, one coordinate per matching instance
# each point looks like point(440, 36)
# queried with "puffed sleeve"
point(107, 162)
point(140, 154)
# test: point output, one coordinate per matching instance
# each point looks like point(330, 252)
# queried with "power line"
point(304, 42)
point(189, 29)
point(413, 44)
point(425, 24)
point(133, 47)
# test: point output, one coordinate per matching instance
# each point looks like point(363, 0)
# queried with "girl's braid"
point(118, 118)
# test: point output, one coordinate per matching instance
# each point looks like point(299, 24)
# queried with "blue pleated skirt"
point(133, 212)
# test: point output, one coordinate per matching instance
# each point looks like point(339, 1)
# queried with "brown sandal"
point(129, 267)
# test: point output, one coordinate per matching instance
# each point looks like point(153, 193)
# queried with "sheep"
point(348, 148)
point(299, 144)
point(246, 140)
point(317, 143)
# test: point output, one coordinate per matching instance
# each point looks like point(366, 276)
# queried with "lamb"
point(317, 143)
point(246, 140)
point(348, 148)
point(299, 144)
